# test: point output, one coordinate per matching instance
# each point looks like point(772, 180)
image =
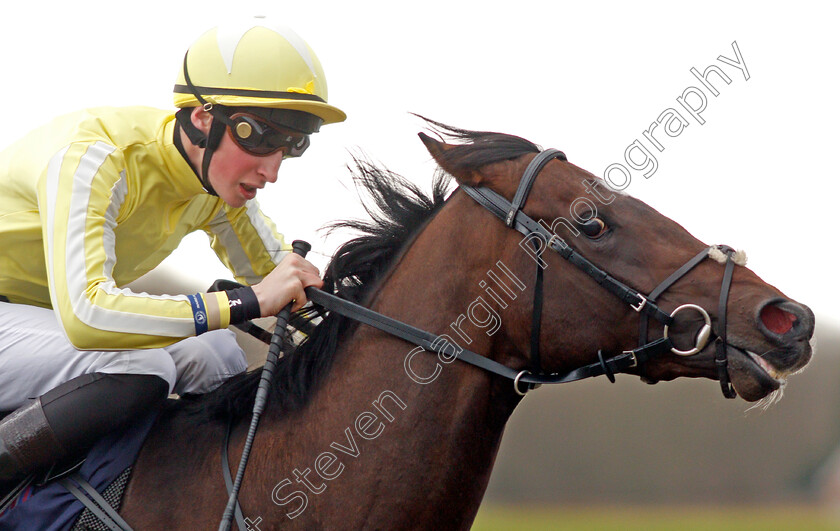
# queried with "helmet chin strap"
point(203, 141)
point(196, 136)
point(214, 137)
point(210, 141)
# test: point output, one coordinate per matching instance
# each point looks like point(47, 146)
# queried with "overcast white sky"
point(586, 77)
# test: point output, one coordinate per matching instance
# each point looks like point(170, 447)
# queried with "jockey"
point(96, 199)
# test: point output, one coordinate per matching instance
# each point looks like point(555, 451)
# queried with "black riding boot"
point(66, 421)
point(26, 442)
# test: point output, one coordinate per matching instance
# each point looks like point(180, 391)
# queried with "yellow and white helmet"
point(255, 64)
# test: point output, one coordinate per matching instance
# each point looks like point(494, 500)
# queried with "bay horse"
point(365, 431)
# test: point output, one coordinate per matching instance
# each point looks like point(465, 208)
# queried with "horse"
point(364, 430)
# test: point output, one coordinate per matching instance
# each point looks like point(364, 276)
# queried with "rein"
point(435, 343)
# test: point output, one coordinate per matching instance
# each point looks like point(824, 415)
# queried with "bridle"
point(513, 216)
point(511, 213)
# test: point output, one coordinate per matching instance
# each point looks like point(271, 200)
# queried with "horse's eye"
point(594, 228)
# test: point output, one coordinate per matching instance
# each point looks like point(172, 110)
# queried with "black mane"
point(398, 209)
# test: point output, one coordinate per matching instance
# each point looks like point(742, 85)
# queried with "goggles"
point(259, 138)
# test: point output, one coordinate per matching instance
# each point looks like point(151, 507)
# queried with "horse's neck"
point(393, 438)
point(427, 448)
point(409, 439)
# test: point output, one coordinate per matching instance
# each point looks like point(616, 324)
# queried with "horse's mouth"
point(752, 376)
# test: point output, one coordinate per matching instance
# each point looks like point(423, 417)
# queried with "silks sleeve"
point(247, 242)
point(82, 195)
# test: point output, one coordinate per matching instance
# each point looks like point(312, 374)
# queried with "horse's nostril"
point(776, 319)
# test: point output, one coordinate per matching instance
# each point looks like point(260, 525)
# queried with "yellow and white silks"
point(96, 199)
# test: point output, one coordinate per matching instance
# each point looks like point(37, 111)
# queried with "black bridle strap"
point(433, 343)
point(720, 343)
point(667, 283)
point(536, 321)
point(499, 206)
point(519, 198)
point(527, 181)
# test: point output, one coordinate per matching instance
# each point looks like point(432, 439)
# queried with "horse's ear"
point(439, 151)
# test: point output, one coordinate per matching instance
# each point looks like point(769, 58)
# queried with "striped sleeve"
point(247, 242)
point(81, 197)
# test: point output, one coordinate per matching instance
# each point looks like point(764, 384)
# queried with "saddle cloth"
point(50, 507)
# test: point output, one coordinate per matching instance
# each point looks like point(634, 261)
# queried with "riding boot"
point(26, 442)
point(68, 420)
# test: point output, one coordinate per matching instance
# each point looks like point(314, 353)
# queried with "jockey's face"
point(234, 173)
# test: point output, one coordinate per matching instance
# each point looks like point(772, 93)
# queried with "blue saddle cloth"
point(52, 508)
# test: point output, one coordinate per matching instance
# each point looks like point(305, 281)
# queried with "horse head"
point(741, 330)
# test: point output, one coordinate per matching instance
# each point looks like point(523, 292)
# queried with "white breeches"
point(36, 356)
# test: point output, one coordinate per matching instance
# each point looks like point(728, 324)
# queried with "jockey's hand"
point(286, 284)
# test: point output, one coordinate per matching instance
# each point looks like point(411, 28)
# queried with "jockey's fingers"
point(306, 280)
point(301, 264)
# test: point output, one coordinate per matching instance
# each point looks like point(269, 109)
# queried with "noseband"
point(511, 213)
